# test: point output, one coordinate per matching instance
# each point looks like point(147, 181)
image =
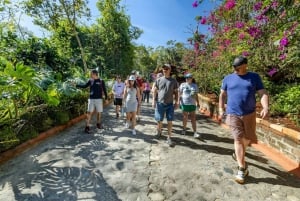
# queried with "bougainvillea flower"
point(227, 42)
point(196, 46)
point(275, 4)
point(203, 20)
point(195, 4)
point(254, 32)
point(239, 25)
point(282, 57)
point(272, 72)
point(229, 4)
point(241, 36)
point(257, 6)
point(245, 53)
point(226, 28)
point(259, 17)
point(284, 42)
point(215, 54)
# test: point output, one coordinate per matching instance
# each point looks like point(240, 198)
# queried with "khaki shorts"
point(242, 126)
point(95, 104)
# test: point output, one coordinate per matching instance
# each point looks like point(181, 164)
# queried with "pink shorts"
point(242, 126)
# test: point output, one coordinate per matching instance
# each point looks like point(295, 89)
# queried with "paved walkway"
point(112, 165)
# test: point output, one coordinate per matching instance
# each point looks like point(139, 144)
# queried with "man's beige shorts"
point(95, 104)
point(242, 126)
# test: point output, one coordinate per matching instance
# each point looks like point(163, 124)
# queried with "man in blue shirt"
point(240, 88)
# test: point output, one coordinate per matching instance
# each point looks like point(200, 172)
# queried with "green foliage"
point(20, 86)
point(8, 138)
point(287, 102)
point(59, 117)
point(114, 29)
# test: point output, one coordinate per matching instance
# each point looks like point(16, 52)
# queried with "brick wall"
point(285, 140)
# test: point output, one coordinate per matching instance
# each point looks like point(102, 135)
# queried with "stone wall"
point(285, 140)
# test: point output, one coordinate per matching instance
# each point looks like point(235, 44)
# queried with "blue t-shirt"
point(241, 91)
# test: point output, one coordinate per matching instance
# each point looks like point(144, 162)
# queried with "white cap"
point(132, 77)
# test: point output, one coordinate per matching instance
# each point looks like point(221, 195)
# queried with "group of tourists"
point(238, 93)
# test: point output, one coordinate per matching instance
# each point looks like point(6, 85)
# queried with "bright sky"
point(164, 20)
point(161, 20)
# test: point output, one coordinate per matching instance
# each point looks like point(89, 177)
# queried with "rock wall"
point(285, 140)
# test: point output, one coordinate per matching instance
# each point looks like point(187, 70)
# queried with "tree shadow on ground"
point(60, 183)
point(281, 178)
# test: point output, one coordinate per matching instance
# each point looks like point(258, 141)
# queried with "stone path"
point(112, 165)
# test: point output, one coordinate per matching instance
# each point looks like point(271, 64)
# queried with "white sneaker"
point(126, 125)
point(133, 132)
point(196, 135)
point(241, 175)
point(170, 142)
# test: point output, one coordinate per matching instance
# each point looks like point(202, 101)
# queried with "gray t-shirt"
point(166, 88)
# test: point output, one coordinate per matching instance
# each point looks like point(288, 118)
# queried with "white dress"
point(131, 102)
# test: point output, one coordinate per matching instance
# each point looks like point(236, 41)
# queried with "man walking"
point(240, 88)
point(166, 90)
point(95, 101)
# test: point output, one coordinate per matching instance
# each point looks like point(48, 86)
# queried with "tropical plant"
point(20, 86)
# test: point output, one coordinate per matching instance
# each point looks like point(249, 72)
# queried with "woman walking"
point(132, 97)
point(188, 101)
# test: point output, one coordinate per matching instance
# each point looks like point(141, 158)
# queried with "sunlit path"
point(112, 164)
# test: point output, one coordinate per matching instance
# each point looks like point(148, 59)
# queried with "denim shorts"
point(162, 109)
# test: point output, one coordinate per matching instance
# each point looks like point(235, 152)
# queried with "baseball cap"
point(238, 61)
point(188, 75)
point(166, 66)
point(132, 77)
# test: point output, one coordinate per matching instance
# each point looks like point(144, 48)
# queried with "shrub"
point(287, 103)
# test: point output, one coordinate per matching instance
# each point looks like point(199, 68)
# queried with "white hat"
point(132, 77)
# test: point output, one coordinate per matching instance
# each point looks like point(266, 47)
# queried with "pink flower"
point(239, 25)
point(284, 42)
point(195, 4)
point(274, 4)
point(257, 6)
point(229, 4)
point(245, 53)
point(227, 42)
point(241, 36)
point(272, 72)
point(261, 18)
point(196, 46)
point(215, 54)
point(282, 56)
point(203, 20)
point(254, 32)
point(226, 28)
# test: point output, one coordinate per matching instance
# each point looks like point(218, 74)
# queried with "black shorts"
point(118, 101)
